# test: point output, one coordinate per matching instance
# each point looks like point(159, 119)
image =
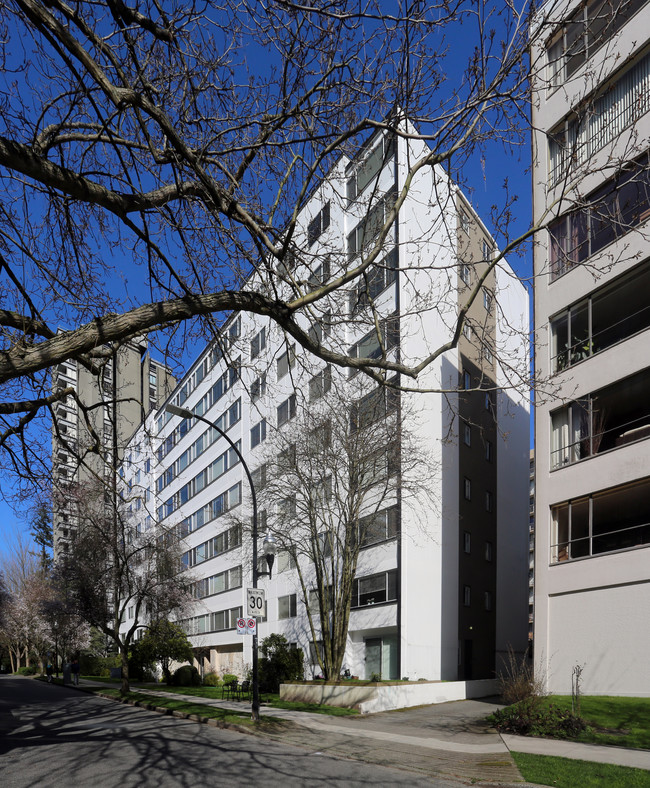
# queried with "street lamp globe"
point(269, 550)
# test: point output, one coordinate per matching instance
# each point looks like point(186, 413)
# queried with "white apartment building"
point(591, 63)
point(441, 588)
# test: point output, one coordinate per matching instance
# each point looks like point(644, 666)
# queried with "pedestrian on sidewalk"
point(49, 670)
point(74, 669)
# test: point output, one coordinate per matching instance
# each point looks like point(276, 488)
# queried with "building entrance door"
point(381, 657)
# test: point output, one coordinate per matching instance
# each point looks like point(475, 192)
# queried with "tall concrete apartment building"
point(440, 588)
point(591, 89)
point(116, 403)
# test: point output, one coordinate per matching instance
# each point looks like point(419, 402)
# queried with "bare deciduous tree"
point(154, 161)
point(340, 474)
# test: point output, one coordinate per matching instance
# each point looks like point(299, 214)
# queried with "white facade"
point(454, 561)
point(592, 486)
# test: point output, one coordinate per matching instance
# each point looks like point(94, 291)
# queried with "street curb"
point(181, 715)
point(212, 721)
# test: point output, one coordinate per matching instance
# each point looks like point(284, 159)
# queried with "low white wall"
point(371, 698)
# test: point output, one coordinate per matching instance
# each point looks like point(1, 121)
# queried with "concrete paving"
point(443, 740)
point(620, 756)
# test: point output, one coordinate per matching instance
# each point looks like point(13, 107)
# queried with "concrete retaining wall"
point(371, 698)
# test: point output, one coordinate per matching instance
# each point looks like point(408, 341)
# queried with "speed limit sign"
point(255, 601)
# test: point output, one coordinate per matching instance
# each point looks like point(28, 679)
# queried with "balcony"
point(601, 421)
point(610, 315)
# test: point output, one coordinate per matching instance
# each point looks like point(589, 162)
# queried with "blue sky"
point(484, 175)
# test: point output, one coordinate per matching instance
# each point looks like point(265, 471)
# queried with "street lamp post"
point(269, 545)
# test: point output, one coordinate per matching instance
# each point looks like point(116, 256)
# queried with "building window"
point(467, 380)
point(487, 300)
point(318, 224)
point(467, 330)
point(370, 166)
point(602, 420)
point(467, 489)
point(320, 383)
point(465, 273)
point(467, 542)
point(489, 501)
point(467, 596)
point(375, 589)
point(287, 607)
point(620, 205)
point(467, 434)
point(613, 313)
point(287, 507)
point(605, 522)
point(601, 119)
point(369, 229)
point(258, 343)
point(217, 584)
point(258, 433)
point(488, 451)
point(259, 477)
point(379, 527)
point(319, 275)
point(487, 353)
point(285, 561)
point(225, 541)
point(286, 361)
point(583, 33)
point(315, 651)
point(258, 387)
point(488, 551)
point(374, 344)
point(463, 221)
point(486, 248)
point(374, 281)
point(487, 600)
point(377, 404)
point(286, 410)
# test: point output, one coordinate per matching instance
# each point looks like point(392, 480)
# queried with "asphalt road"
point(54, 736)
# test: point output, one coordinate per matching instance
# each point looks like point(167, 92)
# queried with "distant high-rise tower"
point(108, 408)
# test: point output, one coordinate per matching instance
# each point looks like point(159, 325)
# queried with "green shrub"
point(32, 670)
point(279, 663)
point(211, 680)
point(186, 676)
point(375, 677)
point(98, 666)
point(534, 717)
point(229, 677)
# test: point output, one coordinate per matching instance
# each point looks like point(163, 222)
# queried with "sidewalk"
point(443, 740)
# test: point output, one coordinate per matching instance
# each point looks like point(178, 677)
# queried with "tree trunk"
point(124, 654)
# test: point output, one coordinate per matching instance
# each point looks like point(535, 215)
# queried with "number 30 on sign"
point(255, 599)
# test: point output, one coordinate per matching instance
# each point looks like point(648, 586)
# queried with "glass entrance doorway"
point(381, 657)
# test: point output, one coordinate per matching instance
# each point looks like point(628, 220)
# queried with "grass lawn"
point(208, 712)
point(568, 773)
point(622, 722)
point(214, 693)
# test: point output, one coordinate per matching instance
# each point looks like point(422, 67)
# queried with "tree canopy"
point(154, 159)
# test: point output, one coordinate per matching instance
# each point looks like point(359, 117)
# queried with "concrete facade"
point(592, 572)
point(129, 385)
point(448, 576)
